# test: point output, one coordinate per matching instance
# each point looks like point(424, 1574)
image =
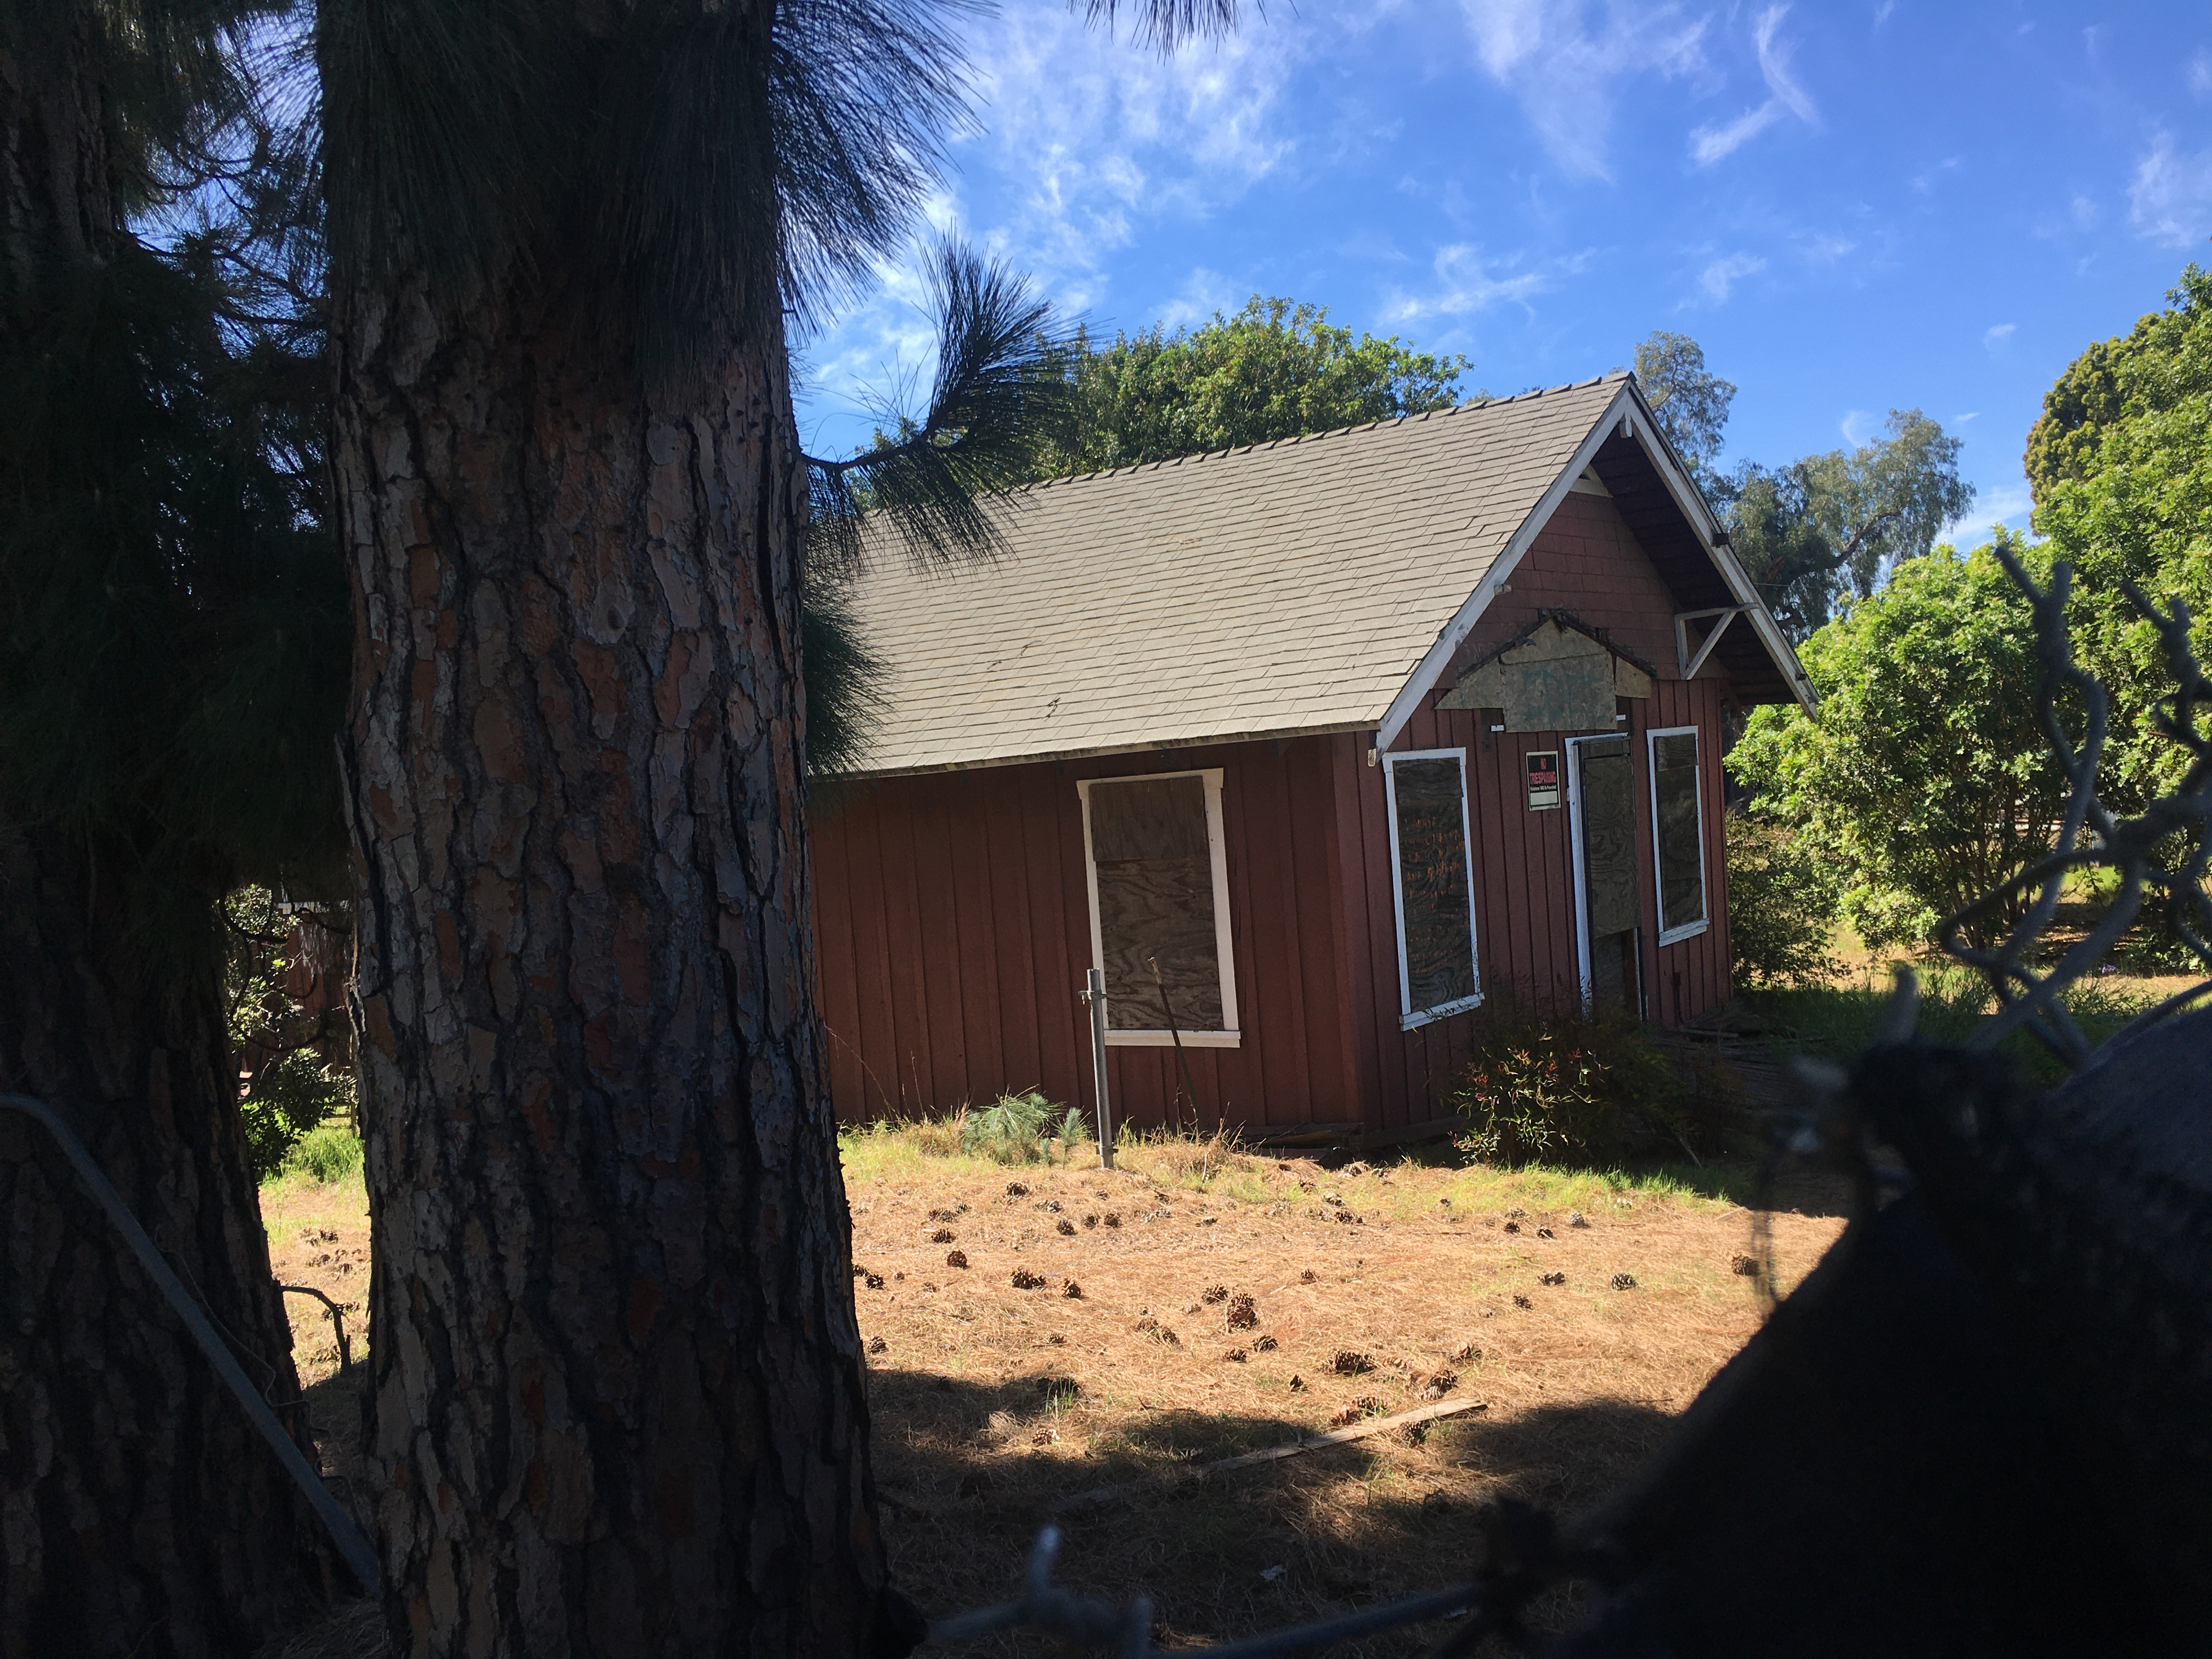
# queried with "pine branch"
point(1000, 393)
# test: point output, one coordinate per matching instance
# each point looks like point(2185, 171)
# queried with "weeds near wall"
point(1560, 1088)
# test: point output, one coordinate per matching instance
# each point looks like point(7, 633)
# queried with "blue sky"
point(1853, 207)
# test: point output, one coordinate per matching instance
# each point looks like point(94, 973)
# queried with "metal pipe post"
point(1094, 992)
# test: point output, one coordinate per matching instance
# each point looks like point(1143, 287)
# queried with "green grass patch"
point(1838, 1021)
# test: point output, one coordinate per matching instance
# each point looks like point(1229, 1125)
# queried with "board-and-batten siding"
point(1586, 561)
point(953, 931)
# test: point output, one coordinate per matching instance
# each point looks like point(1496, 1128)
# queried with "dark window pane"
point(1682, 869)
point(1432, 882)
point(1156, 904)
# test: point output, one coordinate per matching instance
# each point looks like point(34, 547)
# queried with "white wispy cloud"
point(1995, 336)
point(1709, 143)
point(1993, 504)
point(2200, 73)
point(1856, 426)
point(1203, 292)
point(1469, 280)
point(1083, 142)
point(1564, 71)
point(2170, 200)
point(1719, 277)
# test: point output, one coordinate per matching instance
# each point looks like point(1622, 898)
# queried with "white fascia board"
point(1430, 668)
point(1644, 428)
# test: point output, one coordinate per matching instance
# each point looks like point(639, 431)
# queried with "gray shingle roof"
point(1285, 587)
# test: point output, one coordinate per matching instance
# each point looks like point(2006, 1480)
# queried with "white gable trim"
point(1431, 667)
point(1692, 501)
point(1636, 423)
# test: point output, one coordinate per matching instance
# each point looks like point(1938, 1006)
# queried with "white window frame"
point(1408, 1016)
point(1232, 1036)
point(1688, 929)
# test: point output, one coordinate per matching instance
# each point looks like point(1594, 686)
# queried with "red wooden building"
point(1313, 747)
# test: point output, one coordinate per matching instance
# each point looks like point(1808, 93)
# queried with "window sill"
point(1679, 934)
point(1167, 1039)
point(1429, 1016)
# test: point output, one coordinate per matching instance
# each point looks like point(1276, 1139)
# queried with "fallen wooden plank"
point(1100, 1495)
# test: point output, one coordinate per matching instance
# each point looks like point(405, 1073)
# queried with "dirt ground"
point(1372, 1291)
point(999, 1394)
point(318, 1236)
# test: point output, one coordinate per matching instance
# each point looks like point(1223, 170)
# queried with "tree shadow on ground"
point(971, 1469)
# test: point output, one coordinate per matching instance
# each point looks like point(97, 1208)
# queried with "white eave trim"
point(1635, 420)
point(1641, 427)
point(1430, 668)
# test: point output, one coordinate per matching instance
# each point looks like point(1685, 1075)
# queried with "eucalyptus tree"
point(1689, 400)
point(169, 627)
point(619, 1404)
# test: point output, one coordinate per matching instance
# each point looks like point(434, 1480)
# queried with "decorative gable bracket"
point(1690, 664)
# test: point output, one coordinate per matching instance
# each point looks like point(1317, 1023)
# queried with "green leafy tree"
point(1824, 526)
point(619, 1402)
point(2121, 472)
point(1833, 524)
point(1276, 369)
point(2122, 469)
point(173, 637)
point(1690, 402)
point(1924, 779)
point(2163, 363)
point(1781, 905)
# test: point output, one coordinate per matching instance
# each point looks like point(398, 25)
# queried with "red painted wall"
point(953, 928)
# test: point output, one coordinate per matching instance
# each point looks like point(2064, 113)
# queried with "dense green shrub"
point(290, 1095)
point(1781, 907)
point(1578, 1091)
point(328, 1152)
point(1015, 1128)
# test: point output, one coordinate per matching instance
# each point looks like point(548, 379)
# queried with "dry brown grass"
point(992, 1404)
point(319, 1235)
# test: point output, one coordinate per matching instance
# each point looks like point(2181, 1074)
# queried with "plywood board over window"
point(1159, 907)
point(1432, 882)
point(1678, 832)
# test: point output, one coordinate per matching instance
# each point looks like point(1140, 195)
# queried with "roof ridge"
point(1529, 396)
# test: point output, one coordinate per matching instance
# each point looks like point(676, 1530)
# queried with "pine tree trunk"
point(140, 1514)
point(619, 1398)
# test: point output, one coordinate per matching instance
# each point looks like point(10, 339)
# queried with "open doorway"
point(1601, 816)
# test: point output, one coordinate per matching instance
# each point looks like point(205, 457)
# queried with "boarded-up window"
point(1159, 885)
point(1678, 832)
point(1432, 876)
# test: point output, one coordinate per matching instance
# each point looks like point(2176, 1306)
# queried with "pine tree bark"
point(619, 1397)
point(140, 1514)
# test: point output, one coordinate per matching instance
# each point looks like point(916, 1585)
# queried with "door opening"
point(1603, 820)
